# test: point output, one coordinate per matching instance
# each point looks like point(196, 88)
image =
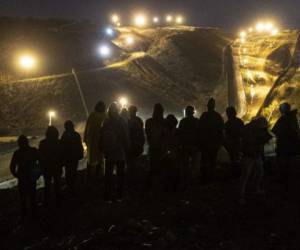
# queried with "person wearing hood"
point(72, 152)
point(287, 133)
point(51, 152)
point(154, 129)
point(91, 139)
point(22, 166)
point(211, 126)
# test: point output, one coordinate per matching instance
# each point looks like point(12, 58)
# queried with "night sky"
point(221, 13)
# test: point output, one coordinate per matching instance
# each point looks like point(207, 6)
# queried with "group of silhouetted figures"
point(117, 136)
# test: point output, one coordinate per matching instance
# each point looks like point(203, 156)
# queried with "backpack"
point(35, 170)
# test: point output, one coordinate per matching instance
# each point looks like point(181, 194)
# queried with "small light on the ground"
point(51, 115)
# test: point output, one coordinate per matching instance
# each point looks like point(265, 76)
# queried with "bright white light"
point(260, 27)
point(140, 20)
point(156, 19)
point(104, 50)
point(123, 101)
point(109, 31)
point(179, 20)
point(268, 26)
point(250, 30)
point(115, 18)
point(51, 115)
point(129, 40)
point(169, 18)
point(27, 62)
point(274, 32)
point(243, 34)
point(243, 40)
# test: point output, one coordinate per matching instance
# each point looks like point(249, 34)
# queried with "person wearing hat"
point(211, 126)
point(287, 133)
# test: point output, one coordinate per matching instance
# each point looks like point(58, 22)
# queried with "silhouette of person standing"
point(91, 139)
point(287, 133)
point(170, 158)
point(154, 129)
point(114, 141)
point(72, 152)
point(188, 138)
point(233, 139)
point(211, 127)
point(255, 135)
point(137, 141)
point(23, 164)
point(50, 154)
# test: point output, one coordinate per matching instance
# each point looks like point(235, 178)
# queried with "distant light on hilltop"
point(115, 18)
point(179, 19)
point(104, 50)
point(169, 18)
point(109, 31)
point(140, 20)
point(156, 19)
point(243, 34)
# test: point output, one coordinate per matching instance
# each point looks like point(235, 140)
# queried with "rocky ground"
point(205, 217)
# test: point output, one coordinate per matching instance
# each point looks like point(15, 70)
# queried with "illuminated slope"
point(285, 89)
point(262, 59)
point(175, 66)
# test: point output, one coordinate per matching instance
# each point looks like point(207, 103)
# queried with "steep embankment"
point(261, 60)
point(175, 66)
point(286, 87)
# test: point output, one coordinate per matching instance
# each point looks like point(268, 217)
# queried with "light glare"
point(27, 62)
point(140, 20)
point(155, 19)
point(129, 40)
point(123, 101)
point(169, 18)
point(179, 20)
point(115, 18)
point(104, 50)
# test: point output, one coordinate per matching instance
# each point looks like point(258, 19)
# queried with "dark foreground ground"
point(205, 217)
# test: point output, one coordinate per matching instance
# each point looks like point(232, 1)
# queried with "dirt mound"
point(174, 66)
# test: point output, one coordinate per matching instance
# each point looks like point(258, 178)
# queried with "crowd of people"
point(116, 138)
